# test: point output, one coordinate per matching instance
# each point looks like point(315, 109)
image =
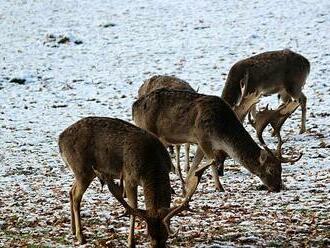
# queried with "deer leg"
point(197, 159)
point(177, 158)
point(122, 186)
point(220, 158)
point(78, 189)
point(131, 192)
point(73, 221)
point(303, 101)
point(207, 150)
point(178, 168)
point(217, 169)
point(187, 148)
point(285, 97)
point(215, 174)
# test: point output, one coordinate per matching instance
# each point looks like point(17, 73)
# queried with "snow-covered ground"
point(64, 60)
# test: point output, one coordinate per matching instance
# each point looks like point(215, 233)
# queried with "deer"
point(110, 148)
point(282, 72)
point(168, 82)
point(275, 118)
point(178, 117)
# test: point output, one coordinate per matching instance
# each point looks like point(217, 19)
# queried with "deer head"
point(158, 220)
point(270, 170)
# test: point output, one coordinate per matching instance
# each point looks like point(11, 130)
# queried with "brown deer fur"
point(185, 117)
point(277, 72)
point(168, 82)
point(163, 81)
point(115, 149)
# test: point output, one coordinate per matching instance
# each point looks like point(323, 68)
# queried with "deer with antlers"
point(110, 149)
point(178, 117)
point(275, 118)
point(171, 82)
point(276, 72)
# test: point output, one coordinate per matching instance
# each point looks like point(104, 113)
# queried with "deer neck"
point(231, 92)
point(243, 149)
point(247, 154)
point(157, 192)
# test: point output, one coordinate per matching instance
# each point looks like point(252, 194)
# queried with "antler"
point(276, 119)
point(116, 191)
point(262, 119)
point(193, 182)
point(245, 105)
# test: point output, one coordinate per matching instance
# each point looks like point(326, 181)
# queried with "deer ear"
point(243, 86)
point(263, 157)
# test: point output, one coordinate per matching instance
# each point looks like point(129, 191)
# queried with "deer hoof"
point(220, 189)
point(262, 187)
point(82, 240)
point(131, 245)
point(220, 172)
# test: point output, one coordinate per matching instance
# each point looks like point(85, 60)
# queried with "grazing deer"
point(168, 82)
point(178, 117)
point(275, 118)
point(277, 72)
point(110, 149)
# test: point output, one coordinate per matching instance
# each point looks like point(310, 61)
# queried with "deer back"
point(189, 117)
point(166, 113)
point(163, 81)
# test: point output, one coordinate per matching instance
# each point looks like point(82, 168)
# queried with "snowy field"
point(64, 60)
